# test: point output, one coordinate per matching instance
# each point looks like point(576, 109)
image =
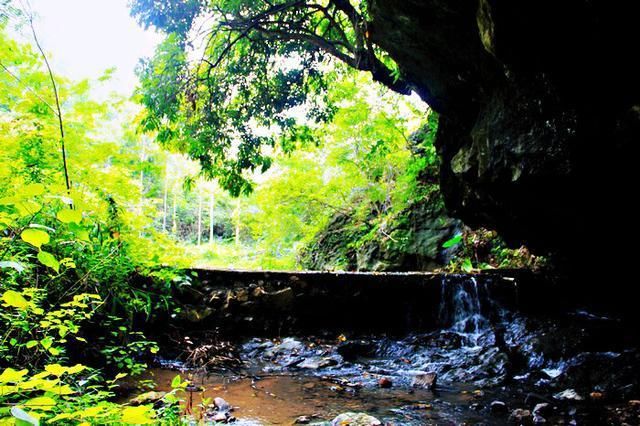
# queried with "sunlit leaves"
point(33, 190)
point(35, 237)
point(138, 415)
point(42, 403)
point(15, 300)
point(9, 375)
point(69, 216)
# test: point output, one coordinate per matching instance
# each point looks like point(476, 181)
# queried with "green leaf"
point(47, 259)
point(31, 343)
point(46, 342)
point(54, 351)
point(452, 242)
point(176, 381)
point(467, 266)
point(69, 216)
point(15, 299)
point(35, 237)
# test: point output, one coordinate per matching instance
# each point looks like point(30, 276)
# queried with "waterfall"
point(463, 305)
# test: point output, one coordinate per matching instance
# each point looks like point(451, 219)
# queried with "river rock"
point(542, 409)
point(281, 299)
point(316, 363)
point(498, 407)
point(385, 382)
point(568, 394)
point(425, 380)
point(148, 398)
point(287, 346)
point(355, 419)
point(521, 416)
point(221, 404)
point(302, 420)
point(222, 417)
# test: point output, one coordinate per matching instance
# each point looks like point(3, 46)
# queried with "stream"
point(484, 364)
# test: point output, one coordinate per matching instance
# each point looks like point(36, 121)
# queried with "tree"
point(223, 94)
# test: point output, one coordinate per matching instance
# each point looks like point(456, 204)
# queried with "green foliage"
point(60, 395)
point(72, 267)
point(484, 249)
point(258, 79)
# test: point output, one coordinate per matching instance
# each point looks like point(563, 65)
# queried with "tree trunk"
point(211, 218)
point(238, 222)
point(164, 202)
point(174, 227)
point(199, 218)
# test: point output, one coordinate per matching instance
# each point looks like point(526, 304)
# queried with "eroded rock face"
point(540, 111)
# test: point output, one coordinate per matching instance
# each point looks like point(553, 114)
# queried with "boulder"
point(355, 419)
point(425, 380)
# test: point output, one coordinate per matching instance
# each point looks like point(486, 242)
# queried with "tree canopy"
point(235, 78)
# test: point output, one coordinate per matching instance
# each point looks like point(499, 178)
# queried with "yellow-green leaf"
point(137, 415)
point(55, 369)
point(33, 190)
point(35, 237)
point(15, 299)
point(62, 416)
point(42, 403)
point(9, 375)
point(69, 216)
point(76, 369)
point(28, 207)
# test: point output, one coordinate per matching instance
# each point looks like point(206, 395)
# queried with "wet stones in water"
point(568, 394)
point(540, 411)
point(222, 412)
point(221, 404)
point(442, 339)
point(385, 382)
point(316, 363)
point(425, 380)
point(355, 419)
point(521, 416)
point(302, 420)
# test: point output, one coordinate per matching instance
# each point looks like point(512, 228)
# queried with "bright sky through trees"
point(87, 37)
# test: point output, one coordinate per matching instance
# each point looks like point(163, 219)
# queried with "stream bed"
point(483, 365)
